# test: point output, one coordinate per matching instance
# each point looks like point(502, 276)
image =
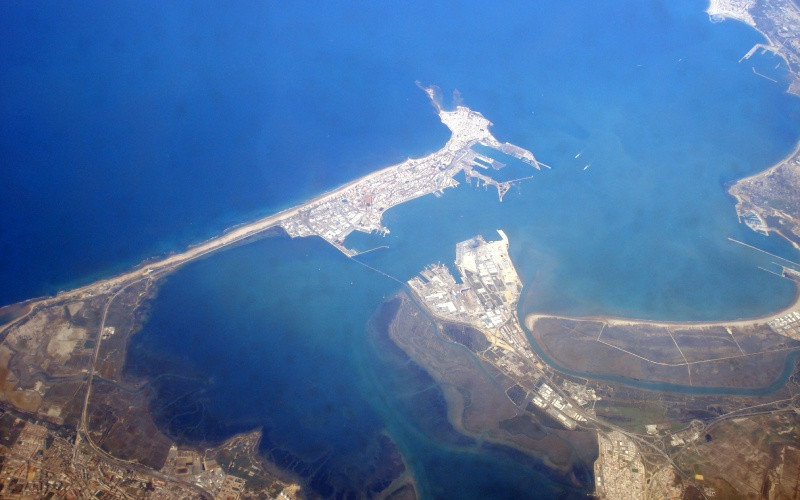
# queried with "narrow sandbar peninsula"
point(358, 205)
point(61, 358)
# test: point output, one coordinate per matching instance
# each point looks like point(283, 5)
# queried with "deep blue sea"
point(132, 130)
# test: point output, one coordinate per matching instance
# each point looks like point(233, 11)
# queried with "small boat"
point(587, 166)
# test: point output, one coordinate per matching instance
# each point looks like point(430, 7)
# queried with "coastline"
point(485, 395)
point(234, 346)
point(739, 191)
point(412, 178)
point(623, 321)
point(229, 236)
point(766, 171)
point(530, 319)
point(719, 10)
point(715, 9)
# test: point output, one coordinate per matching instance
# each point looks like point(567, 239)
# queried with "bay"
point(130, 131)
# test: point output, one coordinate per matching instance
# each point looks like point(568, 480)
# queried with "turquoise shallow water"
point(273, 335)
point(132, 131)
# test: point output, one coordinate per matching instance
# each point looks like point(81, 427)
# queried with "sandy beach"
point(615, 321)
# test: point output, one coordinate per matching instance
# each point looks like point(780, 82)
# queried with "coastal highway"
point(83, 431)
